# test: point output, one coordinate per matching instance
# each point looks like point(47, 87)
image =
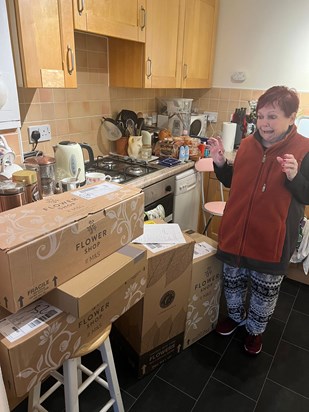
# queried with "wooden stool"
point(4, 404)
point(72, 378)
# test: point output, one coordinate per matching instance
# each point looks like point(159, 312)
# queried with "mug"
point(94, 177)
point(69, 183)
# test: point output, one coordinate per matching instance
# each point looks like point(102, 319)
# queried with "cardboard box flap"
point(31, 221)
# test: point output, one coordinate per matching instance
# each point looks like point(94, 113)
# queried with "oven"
point(161, 193)
point(123, 169)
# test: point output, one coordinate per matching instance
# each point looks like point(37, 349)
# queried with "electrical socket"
point(44, 130)
point(212, 117)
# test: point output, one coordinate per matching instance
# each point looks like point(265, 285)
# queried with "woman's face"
point(272, 123)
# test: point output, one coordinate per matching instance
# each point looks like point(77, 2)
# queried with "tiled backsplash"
point(75, 114)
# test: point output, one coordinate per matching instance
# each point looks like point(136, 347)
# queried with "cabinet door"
point(157, 63)
point(123, 19)
point(46, 42)
point(199, 42)
point(163, 45)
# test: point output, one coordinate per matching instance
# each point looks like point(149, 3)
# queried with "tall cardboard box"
point(152, 331)
point(45, 243)
point(38, 338)
point(205, 290)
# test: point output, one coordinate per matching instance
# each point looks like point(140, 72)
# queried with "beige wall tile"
point(46, 95)
point(48, 111)
point(61, 110)
point(33, 113)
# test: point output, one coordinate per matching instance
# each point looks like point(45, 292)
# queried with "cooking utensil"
point(124, 115)
point(139, 126)
point(130, 125)
point(110, 130)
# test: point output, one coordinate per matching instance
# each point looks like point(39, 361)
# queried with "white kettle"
point(70, 159)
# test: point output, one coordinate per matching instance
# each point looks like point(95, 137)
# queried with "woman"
point(269, 184)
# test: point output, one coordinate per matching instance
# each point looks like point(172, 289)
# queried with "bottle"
point(182, 153)
point(187, 153)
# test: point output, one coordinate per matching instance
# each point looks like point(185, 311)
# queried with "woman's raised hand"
point(216, 149)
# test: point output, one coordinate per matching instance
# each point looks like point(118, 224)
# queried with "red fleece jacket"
point(254, 220)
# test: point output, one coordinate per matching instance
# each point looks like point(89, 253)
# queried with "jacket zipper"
point(250, 206)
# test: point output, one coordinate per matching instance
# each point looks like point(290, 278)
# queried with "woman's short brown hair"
point(284, 97)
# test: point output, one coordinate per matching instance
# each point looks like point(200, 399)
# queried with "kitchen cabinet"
point(198, 43)
point(115, 18)
point(179, 48)
point(212, 193)
point(43, 43)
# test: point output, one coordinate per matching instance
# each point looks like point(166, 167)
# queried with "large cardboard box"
point(296, 272)
point(153, 329)
point(205, 290)
point(45, 243)
point(79, 294)
point(38, 338)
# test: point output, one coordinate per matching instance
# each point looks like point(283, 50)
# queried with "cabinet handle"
point(149, 66)
point(80, 6)
point(185, 71)
point(143, 17)
point(70, 60)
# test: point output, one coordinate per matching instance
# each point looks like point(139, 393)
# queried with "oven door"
point(168, 204)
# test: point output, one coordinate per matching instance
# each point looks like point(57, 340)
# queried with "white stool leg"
point(111, 375)
point(71, 385)
point(4, 404)
point(34, 397)
point(79, 372)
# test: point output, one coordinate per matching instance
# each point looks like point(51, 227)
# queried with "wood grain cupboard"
point(179, 48)
point(43, 43)
point(123, 19)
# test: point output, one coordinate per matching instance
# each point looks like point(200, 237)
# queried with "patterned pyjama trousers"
point(264, 292)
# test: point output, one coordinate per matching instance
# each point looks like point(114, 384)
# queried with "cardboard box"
point(79, 294)
point(296, 272)
point(205, 290)
point(45, 243)
point(160, 317)
point(47, 341)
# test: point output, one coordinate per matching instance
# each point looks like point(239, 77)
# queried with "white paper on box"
point(161, 233)
point(93, 192)
point(202, 249)
point(158, 247)
point(27, 319)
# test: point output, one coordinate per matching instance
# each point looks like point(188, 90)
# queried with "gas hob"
point(121, 168)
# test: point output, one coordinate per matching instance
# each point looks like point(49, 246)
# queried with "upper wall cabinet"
point(198, 43)
point(179, 48)
point(43, 42)
point(123, 19)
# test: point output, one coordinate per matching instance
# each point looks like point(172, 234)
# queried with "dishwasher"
point(187, 201)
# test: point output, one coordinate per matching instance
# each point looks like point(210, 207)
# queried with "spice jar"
point(29, 180)
point(12, 194)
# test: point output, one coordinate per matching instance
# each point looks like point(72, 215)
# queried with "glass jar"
point(146, 152)
point(12, 194)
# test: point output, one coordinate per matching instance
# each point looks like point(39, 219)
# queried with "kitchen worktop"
point(161, 174)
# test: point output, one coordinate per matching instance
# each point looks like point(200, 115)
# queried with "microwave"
point(198, 125)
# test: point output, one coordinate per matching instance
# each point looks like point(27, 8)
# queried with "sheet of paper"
point(93, 192)
point(202, 249)
point(158, 247)
point(165, 233)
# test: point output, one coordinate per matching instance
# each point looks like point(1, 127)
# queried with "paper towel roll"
point(228, 136)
